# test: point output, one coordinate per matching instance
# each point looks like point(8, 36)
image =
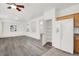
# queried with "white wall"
point(49, 14)
point(6, 28)
point(70, 10)
point(0, 28)
point(36, 34)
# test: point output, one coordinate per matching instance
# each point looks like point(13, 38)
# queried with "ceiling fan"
point(16, 6)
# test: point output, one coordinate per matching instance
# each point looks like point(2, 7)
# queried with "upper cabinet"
point(74, 16)
point(76, 20)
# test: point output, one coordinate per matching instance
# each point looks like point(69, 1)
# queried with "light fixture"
point(13, 6)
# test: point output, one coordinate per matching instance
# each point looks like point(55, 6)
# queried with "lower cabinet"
point(76, 44)
point(64, 36)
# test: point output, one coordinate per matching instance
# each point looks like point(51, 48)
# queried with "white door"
point(67, 35)
point(57, 35)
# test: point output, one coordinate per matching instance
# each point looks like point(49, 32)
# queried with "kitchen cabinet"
point(76, 37)
point(76, 20)
point(76, 44)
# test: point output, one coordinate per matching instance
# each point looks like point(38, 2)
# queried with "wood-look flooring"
point(26, 46)
point(21, 46)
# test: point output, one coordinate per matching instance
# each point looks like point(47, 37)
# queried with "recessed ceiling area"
point(31, 10)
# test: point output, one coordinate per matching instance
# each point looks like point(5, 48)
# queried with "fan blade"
point(18, 9)
point(22, 6)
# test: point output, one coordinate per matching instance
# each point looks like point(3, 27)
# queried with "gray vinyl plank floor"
point(21, 46)
point(56, 52)
point(26, 46)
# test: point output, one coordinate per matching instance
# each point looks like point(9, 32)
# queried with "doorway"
point(47, 33)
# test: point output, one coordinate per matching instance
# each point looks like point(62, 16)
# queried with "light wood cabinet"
point(76, 44)
point(76, 36)
point(76, 20)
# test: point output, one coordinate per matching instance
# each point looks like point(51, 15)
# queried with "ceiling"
point(31, 10)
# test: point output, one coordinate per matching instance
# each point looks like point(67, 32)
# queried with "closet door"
point(67, 36)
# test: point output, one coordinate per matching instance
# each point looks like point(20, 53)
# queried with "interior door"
point(67, 35)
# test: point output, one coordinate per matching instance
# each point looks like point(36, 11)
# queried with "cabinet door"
point(57, 35)
point(67, 35)
point(76, 44)
point(77, 20)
